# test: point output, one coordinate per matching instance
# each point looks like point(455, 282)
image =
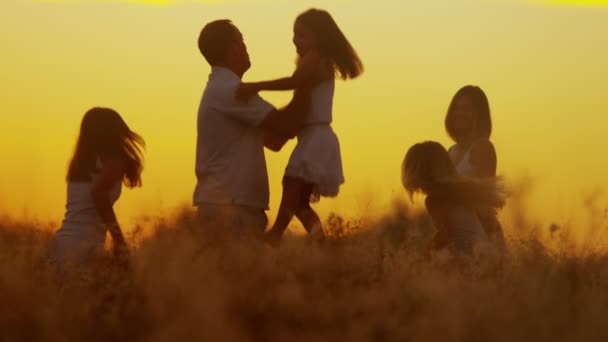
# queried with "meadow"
point(373, 281)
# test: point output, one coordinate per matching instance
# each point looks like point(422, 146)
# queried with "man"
point(232, 181)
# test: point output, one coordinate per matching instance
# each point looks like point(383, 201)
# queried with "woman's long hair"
point(427, 168)
point(104, 135)
point(332, 43)
point(481, 113)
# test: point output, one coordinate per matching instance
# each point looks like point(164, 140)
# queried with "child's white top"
point(322, 98)
point(82, 230)
point(80, 207)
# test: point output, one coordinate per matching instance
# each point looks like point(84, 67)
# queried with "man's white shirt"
point(230, 162)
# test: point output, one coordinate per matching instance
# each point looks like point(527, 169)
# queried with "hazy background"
point(543, 66)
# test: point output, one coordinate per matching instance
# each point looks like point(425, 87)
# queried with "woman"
point(107, 154)
point(469, 124)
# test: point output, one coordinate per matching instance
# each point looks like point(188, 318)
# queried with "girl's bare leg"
point(289, 204)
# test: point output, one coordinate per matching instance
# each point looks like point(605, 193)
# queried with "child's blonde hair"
point(427, 168)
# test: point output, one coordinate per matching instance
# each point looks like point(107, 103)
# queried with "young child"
point(107, 154)
point(315, 165)
point(452, 201)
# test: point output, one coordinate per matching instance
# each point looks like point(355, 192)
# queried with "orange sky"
point(542, 65)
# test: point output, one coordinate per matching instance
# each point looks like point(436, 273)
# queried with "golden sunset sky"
point(543, 65)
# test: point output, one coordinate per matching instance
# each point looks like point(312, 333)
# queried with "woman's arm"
point(112, 172)
point(483, 159)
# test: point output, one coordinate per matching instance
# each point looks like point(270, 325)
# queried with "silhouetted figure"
point(232, 181)
point(315, 165)
point(452, 200)
point(107, 154)
point(469, 124)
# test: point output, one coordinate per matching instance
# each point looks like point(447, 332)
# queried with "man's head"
point(221, 43)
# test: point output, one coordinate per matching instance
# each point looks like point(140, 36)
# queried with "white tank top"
point(80, 207)
point(464, 166)
point(82, 230)
point(321, 103)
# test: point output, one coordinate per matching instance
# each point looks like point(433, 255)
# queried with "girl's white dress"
point(82, 233)
point(316, 158)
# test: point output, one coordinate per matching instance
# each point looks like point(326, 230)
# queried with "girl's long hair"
point(103, 135)
point(332, 43)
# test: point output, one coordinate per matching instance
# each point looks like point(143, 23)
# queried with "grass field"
point(372, 282)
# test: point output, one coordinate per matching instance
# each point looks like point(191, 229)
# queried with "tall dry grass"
point(372, 282)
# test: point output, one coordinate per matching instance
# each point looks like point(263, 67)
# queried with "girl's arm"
point(305, 72)
point(111, 172)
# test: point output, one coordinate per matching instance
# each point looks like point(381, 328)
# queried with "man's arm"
point(283, 124)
